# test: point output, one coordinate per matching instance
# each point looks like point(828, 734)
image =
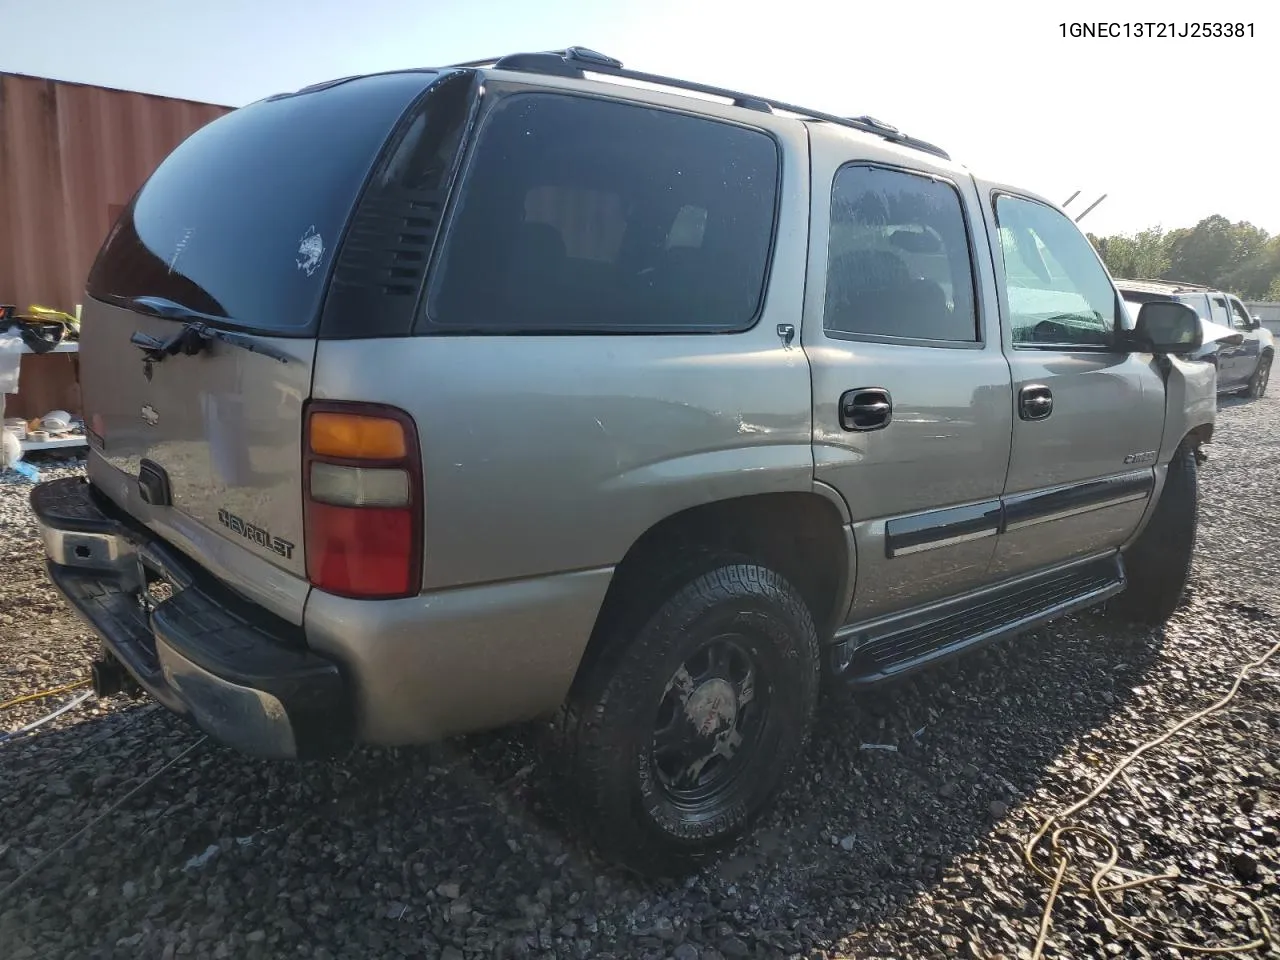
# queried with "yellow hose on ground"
point(1094, 886)
point(44, 693)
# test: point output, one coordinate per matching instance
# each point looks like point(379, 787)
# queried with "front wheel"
point(1261, 377)
point(680, 733)
point(1158, 564)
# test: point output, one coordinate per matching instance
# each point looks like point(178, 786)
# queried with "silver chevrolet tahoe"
point(434, 401)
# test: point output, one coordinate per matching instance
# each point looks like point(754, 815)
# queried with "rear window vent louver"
point(382, 264)
point(389, 243)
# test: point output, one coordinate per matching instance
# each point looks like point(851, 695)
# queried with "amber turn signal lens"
point(353, 437)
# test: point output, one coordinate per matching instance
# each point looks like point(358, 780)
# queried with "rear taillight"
point(362, 482)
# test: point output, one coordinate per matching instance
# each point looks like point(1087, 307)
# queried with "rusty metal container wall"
point(71, 156)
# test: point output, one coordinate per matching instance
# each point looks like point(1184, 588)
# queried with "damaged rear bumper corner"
point(241, 674)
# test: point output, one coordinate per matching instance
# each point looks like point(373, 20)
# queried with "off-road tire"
point(606, 729)
point(1158, 564)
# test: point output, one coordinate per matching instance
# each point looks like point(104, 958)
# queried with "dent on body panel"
point(1096, 394)
point(239, 449)
point(1091, 533)
point(881, 587)
point(1161, 474)
point(460, 660)
point(1191, 402)
point(225, 424)
point(954, 413)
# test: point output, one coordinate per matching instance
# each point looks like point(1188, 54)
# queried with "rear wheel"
point(1158, 564)
point(680, 733)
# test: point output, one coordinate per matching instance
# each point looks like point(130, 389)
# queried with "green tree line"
point(1236, 257)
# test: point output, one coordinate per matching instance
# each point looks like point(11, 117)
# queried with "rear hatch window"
point(241, 221)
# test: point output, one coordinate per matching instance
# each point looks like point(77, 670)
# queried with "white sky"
point(995, 84)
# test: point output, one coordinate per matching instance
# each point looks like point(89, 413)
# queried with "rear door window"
point(240, 222)
point(1197, 302)
point(898, 263)
point(587, 215)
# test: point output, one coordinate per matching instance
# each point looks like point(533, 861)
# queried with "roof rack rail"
point(1177, 284)
point(578, 61)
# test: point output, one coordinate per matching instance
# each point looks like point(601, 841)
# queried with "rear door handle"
point(1035, 402)
point(867, 408)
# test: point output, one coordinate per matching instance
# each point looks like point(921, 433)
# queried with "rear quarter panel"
point(551, 454)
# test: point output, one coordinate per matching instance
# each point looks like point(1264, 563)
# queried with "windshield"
point(240, 222)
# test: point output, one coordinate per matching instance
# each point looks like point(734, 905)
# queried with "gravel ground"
point(456, 852)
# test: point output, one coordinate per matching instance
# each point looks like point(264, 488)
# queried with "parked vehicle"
point(554, 389)
point(1243, 363)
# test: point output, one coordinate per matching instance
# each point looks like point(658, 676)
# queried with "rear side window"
point(1220, 313)
point(898, 262)
point(1133, 301)
point(240, 222)
point(1199, 303)
point(585, 215)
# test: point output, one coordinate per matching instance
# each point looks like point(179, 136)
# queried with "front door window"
point(1058, 293)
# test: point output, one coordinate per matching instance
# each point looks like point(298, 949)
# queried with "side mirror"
point(1255, 323)
point(1167, 327)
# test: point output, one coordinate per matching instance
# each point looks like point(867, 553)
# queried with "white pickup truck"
point(1243, 362)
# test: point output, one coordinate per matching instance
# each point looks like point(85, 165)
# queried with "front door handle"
point(1035, 402)
point(867, 408)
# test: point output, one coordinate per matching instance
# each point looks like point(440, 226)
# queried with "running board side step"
point(886, 648)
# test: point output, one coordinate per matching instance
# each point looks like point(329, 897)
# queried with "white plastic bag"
point(10, 450)
point(10, 361)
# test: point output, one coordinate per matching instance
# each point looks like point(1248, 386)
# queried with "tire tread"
point(1159, 561)
point(590, 746)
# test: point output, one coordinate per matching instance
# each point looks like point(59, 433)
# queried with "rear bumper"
point(241, 674)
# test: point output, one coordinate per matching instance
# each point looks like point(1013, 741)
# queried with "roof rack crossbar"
point(578, 61)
